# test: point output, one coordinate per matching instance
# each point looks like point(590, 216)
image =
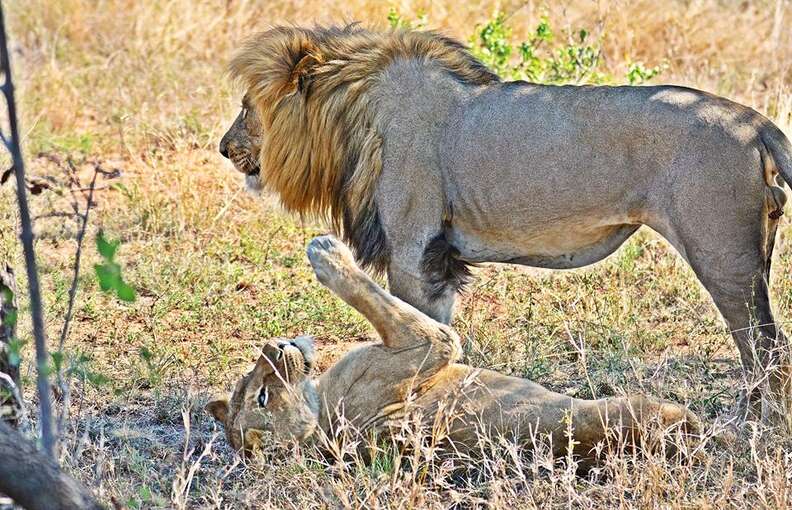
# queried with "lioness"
point(426, 163)
point(414, 369)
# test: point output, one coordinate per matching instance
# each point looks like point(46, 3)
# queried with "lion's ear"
point(218, 409)
point(301, 71)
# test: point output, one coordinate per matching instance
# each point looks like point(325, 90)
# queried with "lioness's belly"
point(473, 401)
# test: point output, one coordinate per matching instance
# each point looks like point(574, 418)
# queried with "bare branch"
point(77, 256)
point(36, 309)
point(57, 214)
point(62, 384)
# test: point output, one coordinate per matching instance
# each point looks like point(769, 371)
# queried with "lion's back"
point(528, 147)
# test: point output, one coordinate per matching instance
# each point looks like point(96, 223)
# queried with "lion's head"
point(242, 144)
point(310, 129)
point(276, 400)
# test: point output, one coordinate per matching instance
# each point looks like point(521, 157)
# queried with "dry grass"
point(139, 86)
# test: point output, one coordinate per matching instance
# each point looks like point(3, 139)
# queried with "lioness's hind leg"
point(629, 419)
point(398, 323)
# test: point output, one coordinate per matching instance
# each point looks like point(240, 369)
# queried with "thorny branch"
point(82, 217)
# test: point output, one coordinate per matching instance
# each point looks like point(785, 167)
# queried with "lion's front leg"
point(399, 324)
point(407, 282)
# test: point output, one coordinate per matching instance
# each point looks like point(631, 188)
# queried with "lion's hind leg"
point(398, 324)
point(729, 245)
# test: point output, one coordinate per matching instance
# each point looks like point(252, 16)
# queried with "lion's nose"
point(224, 149)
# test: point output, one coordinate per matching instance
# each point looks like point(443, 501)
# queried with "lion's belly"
point(552, 245)
point(473, 401)
point(550, 177)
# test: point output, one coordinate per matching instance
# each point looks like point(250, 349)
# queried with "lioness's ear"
point(218, 409)
point(301, 71)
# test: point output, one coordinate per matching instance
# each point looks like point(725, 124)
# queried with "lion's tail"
point(776, 152)
point(780, 150)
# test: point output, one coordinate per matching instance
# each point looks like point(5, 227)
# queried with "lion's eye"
point(244, 113)
point(263, 396)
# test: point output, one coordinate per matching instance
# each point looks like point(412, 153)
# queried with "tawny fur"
point(414, 371)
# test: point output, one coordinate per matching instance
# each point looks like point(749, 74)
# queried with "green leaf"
point(57, 360)
point(145, 353)
point(125, 292)
point(543, 31)
point(109, 273)
point(109, 276)
point(96, 379)
point(10, 318)
point(393, 18)
point(106, 248)
point(145, 493)
point(15, 351)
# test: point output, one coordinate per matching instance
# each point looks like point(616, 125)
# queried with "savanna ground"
point(139, 87)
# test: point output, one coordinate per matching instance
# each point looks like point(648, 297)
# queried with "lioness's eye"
point(244, 113)
point(263, 396)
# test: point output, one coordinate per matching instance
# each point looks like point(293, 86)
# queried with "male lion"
point(425, 162)
point(414, 369)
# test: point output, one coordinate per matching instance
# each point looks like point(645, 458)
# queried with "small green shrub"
point(539, 59)
point(542, 58)
point(637, 73)
point(396, 20)
point(109, 271)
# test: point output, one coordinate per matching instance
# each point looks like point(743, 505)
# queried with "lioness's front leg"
point(397, 323)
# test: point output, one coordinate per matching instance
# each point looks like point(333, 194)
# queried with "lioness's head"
point(276, 400)
point(242, 144)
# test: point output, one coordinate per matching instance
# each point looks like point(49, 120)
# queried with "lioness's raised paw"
point(331, 260)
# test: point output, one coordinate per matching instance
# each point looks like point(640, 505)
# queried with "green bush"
point(543, 58)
